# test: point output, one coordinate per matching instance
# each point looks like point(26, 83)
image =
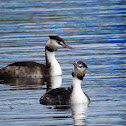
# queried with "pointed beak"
point(66, 46)
point(75, 65)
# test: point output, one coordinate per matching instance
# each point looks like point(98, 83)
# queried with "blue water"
point(96, 29)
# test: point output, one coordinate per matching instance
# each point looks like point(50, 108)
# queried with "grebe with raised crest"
point(66, 96)
point(34, 69)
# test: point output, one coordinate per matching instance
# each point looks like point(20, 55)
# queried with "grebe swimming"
point(66, 96)
point(33, 69)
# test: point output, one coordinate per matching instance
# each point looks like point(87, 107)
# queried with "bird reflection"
point(23, 83)
point(32, 83)
point(54, 82)
point(79, 114)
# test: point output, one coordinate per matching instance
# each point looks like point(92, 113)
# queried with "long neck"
point(76, 83)
point(51, 63)
point(77, 95)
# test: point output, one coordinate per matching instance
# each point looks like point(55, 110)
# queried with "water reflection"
point(54, 82)
point(33, 83)
point(23, 83)
point(79, 114)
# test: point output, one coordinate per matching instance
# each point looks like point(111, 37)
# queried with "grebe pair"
point(58, 96)
point(72, 95)
point(33, 69)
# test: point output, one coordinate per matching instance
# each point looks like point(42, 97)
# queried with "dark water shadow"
point(32, 83)
point(23, 83)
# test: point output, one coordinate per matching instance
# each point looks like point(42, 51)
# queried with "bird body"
point(71, 95)
point(36, 70)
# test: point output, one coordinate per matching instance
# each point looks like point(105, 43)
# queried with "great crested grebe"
point(33, 69)
point(66, 96)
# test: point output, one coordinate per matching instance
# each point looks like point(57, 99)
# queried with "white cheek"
point(82, 69)
point(56, 46)
point(77, 70)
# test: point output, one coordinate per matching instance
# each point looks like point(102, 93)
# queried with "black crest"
point(56, 38)
point(80, 62)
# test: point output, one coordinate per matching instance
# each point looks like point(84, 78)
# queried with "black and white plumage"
point(58, 96)
point(34, 69)
point(66, 96)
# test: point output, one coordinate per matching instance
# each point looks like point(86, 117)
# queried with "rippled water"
point(96, 29)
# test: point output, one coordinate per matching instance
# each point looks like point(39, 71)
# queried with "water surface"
point(96, 29)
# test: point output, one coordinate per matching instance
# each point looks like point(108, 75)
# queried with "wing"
point(26, 64)
point(58, 96)
point(23, 69)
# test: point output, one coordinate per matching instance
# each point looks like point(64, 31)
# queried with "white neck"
point(54, 82)
point(76, 83)
point(77, 95)
point(55, 68)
